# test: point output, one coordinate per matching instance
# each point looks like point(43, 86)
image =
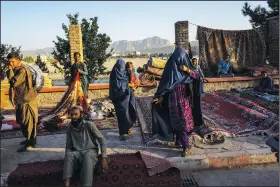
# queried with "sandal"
point(185, 152)
point(131, 132)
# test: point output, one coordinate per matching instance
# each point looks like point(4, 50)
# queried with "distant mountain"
point(148, 45)
point(140, 45)
point(164, 50)
point(45, 51)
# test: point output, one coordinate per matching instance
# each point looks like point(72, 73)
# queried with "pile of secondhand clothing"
point(101, 109)
point(152, 71)
point(98, 110)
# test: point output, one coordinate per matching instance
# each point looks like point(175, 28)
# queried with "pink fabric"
point(180, 111)
point(12, 123)
point(194, 74)
point(155, 165)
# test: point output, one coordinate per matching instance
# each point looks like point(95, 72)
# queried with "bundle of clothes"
point(101, 109)
point(152, 71)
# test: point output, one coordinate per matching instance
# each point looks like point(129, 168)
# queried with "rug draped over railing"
point(245, 47)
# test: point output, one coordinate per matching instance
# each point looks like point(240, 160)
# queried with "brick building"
point(273, 40)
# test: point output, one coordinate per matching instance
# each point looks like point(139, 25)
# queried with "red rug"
point(226, 112)
point(125, 170)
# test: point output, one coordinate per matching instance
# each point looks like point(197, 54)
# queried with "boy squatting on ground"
point(82, 148)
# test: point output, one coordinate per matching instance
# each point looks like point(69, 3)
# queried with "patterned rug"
point(10, 129)
point(107, 123)
point(224, 113)
point(259, 95)
point(124, 170)
point(144, 115)
point(270, 105)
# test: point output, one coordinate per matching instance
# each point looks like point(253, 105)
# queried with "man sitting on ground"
point(225, 68)
point(82, 148)
point(266, 84)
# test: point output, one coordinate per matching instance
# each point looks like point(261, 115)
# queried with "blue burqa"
point(122, 97)
point(172, 76)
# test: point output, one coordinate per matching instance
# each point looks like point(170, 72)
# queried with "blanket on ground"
point(263, 99)
point(124, 170)
point(225, 115)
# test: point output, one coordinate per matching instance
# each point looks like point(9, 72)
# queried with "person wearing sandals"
point(123, 99)
point(171, 110)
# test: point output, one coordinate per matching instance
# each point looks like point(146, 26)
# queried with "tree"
point(94, 47)
point(42, 65)
point(259, 14)
point(4, 51)
point(28, 59)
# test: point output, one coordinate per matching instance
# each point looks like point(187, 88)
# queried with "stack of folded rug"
point(152, 71)
point(255, 71)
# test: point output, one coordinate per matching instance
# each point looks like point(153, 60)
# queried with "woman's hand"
point(205, 80)
point(184, 68)
point(158, 100)
point(131, 85)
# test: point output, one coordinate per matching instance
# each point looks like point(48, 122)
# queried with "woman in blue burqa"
point(171, 110)
point(123, 99)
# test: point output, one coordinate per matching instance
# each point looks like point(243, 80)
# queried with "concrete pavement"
point(236, 151)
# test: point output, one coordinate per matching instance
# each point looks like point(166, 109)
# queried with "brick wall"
point(273, 40)
point(262, 32)
point(182, 34)
point(76, 42)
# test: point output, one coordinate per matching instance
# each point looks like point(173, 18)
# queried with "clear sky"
point(34, 25)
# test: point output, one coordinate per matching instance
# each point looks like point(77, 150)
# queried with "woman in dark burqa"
point(171, 110)
point(123, 99)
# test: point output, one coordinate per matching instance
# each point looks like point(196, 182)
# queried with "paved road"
point(247, 176)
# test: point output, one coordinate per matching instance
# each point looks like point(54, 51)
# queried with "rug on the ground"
point(225, 115)
point(125, 170)
point(12, 129)
point(260, 95)
point(271, 105)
